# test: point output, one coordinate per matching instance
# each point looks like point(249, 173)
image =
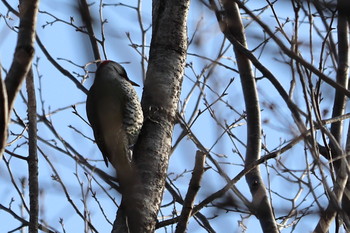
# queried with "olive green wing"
point(95, 120)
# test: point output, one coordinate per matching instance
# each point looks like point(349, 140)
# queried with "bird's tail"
point(120, 159)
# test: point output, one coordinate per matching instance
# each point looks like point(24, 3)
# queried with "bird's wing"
point(95, 121)
point(104, 111)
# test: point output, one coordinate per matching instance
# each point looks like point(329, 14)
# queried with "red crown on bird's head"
point(104, 62)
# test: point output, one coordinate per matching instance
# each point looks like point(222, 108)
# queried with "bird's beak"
point(133, 83)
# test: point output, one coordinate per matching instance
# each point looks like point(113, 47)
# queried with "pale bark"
point(159, 102)
point(338, 202)
point(24, 52)
point(22, 60)
point(192, 191)
point(232, 26)
point(3, 116)
point(33, 169)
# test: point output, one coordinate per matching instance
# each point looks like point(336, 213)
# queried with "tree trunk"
point(159, 102)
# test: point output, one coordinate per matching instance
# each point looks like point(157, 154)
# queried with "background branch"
point(231, 24)
point(3, 115)
point(32, 155)
point(24, 51)
point(193, 189)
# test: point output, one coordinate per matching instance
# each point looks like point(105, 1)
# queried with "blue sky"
point(63, 42)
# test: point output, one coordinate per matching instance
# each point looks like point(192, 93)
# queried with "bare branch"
point(293, 55)
point(3, 115)
point(24, 222)
point(87, 19)
point(24, 52)
point(193, 188)
point(33, 157)
point(232, 25)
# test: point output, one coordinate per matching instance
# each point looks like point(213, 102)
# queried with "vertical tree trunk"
point(159, 102)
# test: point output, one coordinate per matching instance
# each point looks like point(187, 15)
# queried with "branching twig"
point(193, 189)
point(24, 222)
point(87, 19)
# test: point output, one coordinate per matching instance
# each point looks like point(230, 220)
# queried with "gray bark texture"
point(21, 63)
point(33, 168)
point(3, 116)
point(339, 201)
point(233, 29)
point(159, 102)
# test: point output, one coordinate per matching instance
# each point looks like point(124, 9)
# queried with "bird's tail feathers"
point(120, 158)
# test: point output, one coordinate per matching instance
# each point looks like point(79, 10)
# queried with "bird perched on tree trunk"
point(115, 114)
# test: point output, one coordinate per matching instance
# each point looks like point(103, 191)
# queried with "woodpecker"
point(115, 114)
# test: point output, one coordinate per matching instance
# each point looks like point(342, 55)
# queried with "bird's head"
point(114, 70)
